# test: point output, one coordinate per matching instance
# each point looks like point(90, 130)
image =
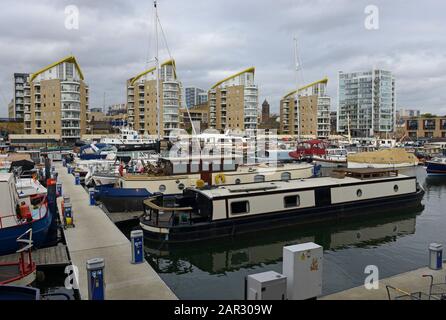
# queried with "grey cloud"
point(212, 38)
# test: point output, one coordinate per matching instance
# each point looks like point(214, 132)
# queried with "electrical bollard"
point(59, 189)
point(435, 256)
point(137, 239)
point(95, 274)
point(68, 215)
point(77, 179)
point(92, 198)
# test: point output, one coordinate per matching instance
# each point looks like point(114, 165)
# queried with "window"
point(181, 186)
point(240, 207)
point(237, 181)
point(259, 178)
point(162, 188)
point(291, 201)
point(286, 176)
point(359, 193)
point(396, 188)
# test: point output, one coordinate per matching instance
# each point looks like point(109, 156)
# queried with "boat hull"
point(8, 236)
point(359, 165)
point(231, 227)
point(435, 169)
point(122, 200)
point(136, 147)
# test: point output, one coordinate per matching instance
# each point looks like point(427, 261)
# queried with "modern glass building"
point(367, 102)
point(195, 96)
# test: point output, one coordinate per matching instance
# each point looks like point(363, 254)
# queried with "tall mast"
point(158, 117)
point(296, 60)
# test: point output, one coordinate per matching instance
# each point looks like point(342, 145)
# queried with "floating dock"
point(56, 256)
point(96, 236)
point(411, 282)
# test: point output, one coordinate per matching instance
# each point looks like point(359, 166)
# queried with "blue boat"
point(19, 293)
point(21, 212)
point(436, 167)
point(95, 151)
point(122, 199)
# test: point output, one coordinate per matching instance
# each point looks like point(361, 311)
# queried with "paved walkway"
point(410, 282)
point(95, 236)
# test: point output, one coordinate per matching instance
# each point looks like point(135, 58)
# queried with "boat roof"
point(283, 186)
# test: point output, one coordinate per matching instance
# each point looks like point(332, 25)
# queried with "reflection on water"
point(395, 242)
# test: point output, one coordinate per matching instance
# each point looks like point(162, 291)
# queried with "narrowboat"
point(228, 210)
point(436, 167)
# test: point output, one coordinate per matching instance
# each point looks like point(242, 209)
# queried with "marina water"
point(395, 243)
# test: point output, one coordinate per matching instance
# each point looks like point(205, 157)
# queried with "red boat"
point(307, 149)
point(21, 272)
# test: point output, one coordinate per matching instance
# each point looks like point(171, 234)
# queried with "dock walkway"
point(410, 282)
point(95, 236)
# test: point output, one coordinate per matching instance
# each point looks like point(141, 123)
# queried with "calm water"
point(397, 243)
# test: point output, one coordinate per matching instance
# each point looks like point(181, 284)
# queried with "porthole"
point(162, 188)
point(286, 176)
point(237, 181)
point(181, 186)
point(396, 188)
point(359, 193)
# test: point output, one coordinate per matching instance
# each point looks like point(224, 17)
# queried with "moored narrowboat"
point(229, 210)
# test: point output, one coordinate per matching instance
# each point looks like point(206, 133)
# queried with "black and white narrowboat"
point(229, 210)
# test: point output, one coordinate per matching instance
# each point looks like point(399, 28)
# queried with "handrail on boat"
point(149, 202)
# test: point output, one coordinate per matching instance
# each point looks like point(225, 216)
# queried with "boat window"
point(162, 188)
point(286, 176)
point(240, 207)
point(291, 201)
point(181, 186)
point(259, 178)
point(396, 188)
point(237, 181)
point(359, 193)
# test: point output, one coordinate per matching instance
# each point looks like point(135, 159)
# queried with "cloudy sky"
point(211, 39)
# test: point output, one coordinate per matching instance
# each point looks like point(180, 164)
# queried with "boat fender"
point(25, 213)
point(220, 178)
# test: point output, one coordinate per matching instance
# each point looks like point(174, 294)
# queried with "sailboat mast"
point(158, 117)
point(296, 60)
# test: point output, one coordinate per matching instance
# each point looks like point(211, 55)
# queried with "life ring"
point(220, 178)
point(200, 184)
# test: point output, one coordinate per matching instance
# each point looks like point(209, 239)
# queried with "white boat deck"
point(95, 236)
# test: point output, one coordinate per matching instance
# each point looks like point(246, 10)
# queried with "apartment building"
point(19, 100)
point(425, 127)
point(367, 102)
point(233, 102)
point(306, 111)
point(198, 116)
point(142, 104)
point(195, 96)
point(56, 101)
